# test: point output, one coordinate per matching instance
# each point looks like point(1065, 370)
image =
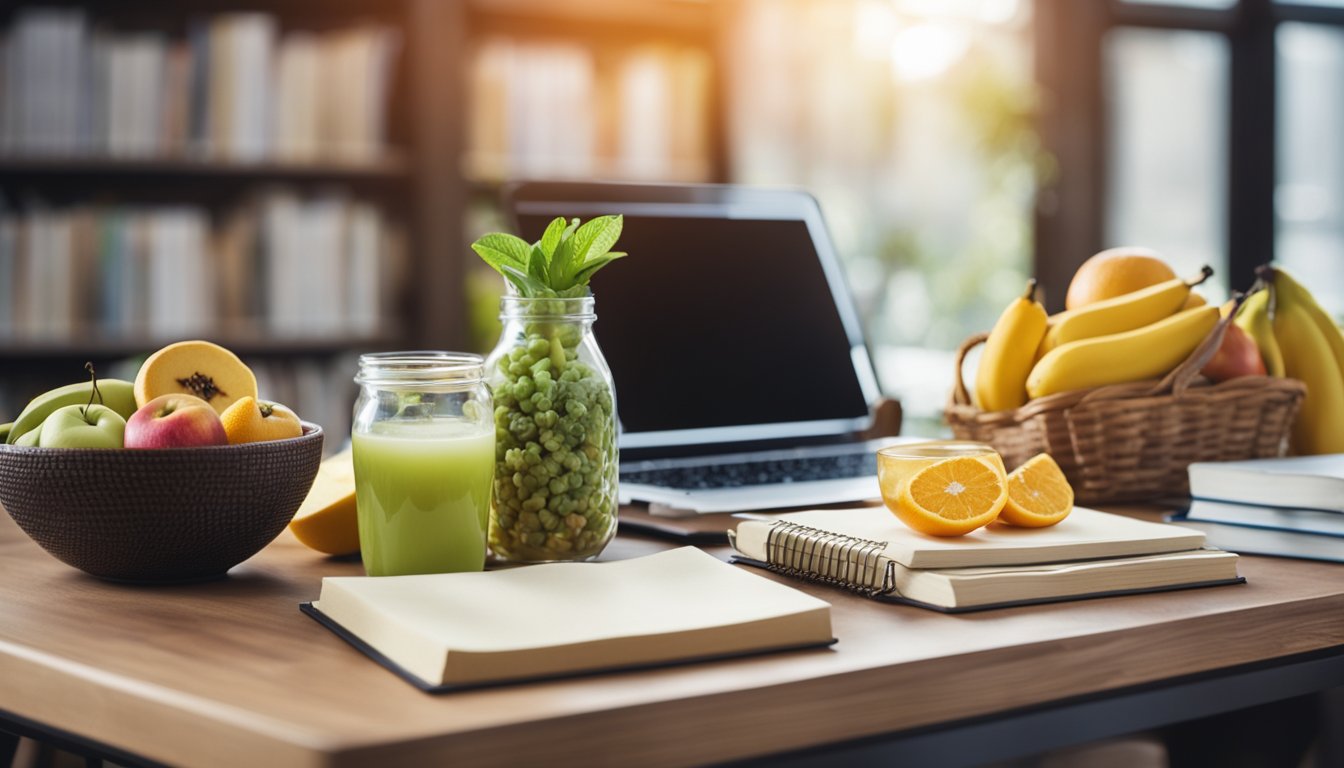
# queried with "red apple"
point(175, 421)
point(1237, 356)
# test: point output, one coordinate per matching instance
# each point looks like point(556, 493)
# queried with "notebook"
point(1301, 482)
point(1089, 554)
point(445, 632)
point(742, 376)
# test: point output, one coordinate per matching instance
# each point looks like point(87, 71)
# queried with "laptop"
point(742, 376)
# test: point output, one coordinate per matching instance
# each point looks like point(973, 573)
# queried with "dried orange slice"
point(953, 497)
point(1038, 494)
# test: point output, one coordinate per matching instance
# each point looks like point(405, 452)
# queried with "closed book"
point(458, 630)
point(1274, 518)
point(1295, 482)
point(1089, 554)
point(1280, 542)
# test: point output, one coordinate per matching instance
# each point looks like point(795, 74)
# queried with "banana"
point(4, 431)
point(1294, 292)
point(1141, 353)
point(1307, 355)
point(1255, 321)
point(1000, 381)
point(1194, 300)
point(117, 394)
point(1122, 313)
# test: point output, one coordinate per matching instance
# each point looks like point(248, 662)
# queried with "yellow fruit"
point(326, 521)
point(1194, 300)
point(250, 420)
point(953, 497)
point(1142, 353)
point(198, 368)
point(1294, 292)
point(1307, 355)
point(1038, 494)
point(1255, 321)
point(1114, 272)
point(1010, 351)
point(1121, 313)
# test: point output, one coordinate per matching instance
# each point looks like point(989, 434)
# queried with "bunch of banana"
point(1299, 340)
point(1122, 313)
point(1010, 350)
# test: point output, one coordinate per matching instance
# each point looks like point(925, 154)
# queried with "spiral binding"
point(828, 558)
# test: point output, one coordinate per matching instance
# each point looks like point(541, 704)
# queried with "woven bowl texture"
point(168, 515)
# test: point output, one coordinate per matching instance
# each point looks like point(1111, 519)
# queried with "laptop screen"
point(723, 328)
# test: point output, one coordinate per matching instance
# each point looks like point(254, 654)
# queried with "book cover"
point(1302, 482)
point(1248, 540)
point(1310, 521)
point(449, 631)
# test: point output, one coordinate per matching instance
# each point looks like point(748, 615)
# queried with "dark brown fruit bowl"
point(168, 515)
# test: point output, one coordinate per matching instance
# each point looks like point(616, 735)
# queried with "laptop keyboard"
point(740, 474)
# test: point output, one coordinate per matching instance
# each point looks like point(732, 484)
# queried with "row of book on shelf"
point(565, 110)
point(232, 87)
point(278, 265)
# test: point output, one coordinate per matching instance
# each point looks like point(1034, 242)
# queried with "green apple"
point(117, 394)
point(81, 426)
point(30, 437)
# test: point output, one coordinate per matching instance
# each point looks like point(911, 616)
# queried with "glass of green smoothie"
point(424, 454)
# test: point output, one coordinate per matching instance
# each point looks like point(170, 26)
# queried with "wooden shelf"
point(392, 167)
point(242, 344)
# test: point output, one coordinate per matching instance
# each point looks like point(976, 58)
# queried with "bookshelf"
point(407, 153)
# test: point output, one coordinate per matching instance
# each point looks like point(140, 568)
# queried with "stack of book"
point(1088, 554)
point(280, 266)
point(232, 87)
point(1288, 507)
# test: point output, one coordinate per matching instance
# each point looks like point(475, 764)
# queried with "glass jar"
point(423, 443)
point(555, 434)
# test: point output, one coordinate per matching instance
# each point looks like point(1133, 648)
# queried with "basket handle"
point(1182, 376)
point(960, 395)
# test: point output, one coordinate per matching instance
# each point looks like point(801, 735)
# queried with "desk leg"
point(9, 744)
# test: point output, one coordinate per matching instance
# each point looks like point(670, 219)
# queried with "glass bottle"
point(555, 433)
point(423, 445)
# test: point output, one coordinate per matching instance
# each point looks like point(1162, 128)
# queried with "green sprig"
point(561, 263)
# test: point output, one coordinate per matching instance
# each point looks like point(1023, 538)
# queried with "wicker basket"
point(1133, 442)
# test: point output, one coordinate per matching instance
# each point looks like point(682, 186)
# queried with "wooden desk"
point(230, 673)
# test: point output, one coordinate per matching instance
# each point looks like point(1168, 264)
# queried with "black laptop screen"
point(718, 323)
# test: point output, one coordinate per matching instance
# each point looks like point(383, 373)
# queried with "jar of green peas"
point(555, 433)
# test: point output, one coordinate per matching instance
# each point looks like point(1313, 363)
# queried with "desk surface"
point(230, 673)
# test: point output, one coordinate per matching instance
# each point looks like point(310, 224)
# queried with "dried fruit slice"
point(1038, 494)
point(953, 497)
point(327, 520)
point(198, 368)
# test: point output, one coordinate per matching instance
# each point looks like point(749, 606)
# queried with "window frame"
point(1071, 205)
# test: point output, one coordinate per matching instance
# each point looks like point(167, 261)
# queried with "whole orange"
point(250, 420)
point(1115, 272)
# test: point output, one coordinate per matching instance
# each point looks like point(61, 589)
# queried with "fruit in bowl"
point(80, 480)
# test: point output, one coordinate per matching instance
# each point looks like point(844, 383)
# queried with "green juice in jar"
point(422, 488)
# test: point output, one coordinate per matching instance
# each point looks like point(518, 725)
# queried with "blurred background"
point(299, 180)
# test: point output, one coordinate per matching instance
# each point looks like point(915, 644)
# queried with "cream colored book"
point(446, 631)
point(1089, 554)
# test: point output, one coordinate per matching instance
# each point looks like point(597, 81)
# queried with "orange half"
point(1038, 494)
point(953, 497)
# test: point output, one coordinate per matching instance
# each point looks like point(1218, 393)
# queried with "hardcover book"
point(458, 630)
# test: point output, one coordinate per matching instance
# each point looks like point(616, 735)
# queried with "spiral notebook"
point(1090, 554)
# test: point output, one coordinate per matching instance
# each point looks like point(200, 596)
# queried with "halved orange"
point(953, 497)
point(1038, 494)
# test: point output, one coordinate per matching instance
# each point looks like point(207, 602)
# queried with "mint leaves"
point(561, 263)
